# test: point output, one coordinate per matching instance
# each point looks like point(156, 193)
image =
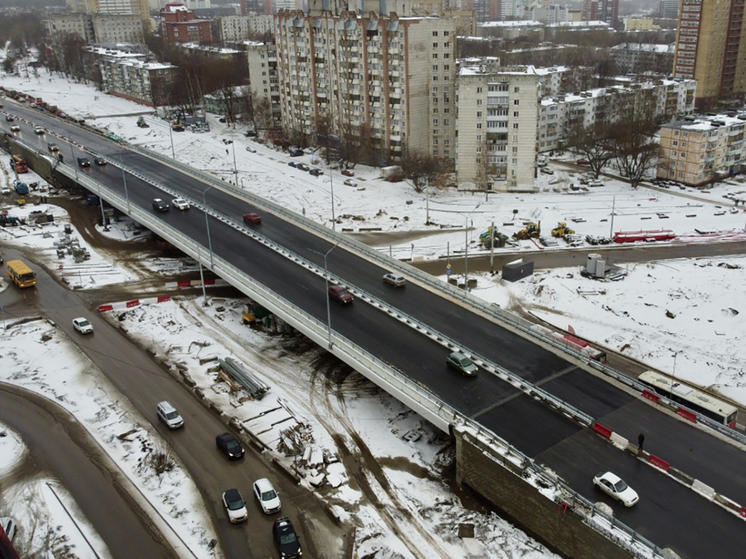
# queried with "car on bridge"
point(159, 205)
point(15, 128)
point(340, 294)
point(39, 130)
point(9, 118)
point(180, 204)
point(52, 147)
point(396, 280)
point(612, 485)
point(100, 161)
point(462, 364)
point(83, 162)
point(252, 219)
point(229, 445)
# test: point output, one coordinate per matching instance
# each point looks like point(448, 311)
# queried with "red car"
point(582, 162)
point(252, 218)
point(340, 294)
point(347, 173)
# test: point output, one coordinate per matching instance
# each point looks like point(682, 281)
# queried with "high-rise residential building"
point(180, 25)
point(96, 27)
point(111, 7)
point(239, 28)
point(669, 8)
point(497, 117)
point(264, 83)
point(125, 75)
point(711, 48)
point(384, 80)
point(602, 10)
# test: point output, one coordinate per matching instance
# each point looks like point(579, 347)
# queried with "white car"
point(250, 149)
point(235, 506)
point(268, 498)
point(547, 170)
point(9, 526)
point(82, 325)
point(39, 130)
point(394, 279)
point(180, 204)
point(613, 485)
point(350, 182)
point(4, 189)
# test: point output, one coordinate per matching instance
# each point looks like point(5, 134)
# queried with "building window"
point(446, 122)
point(516, 101)
point(515, 126)
point(446, 33)
point(435, 78)
point(435, 122)
point(435, 45)
point(515, 114)
point(435, 33)
point(479, 137)
point(435, 56)
point(676, 143)
point(479, 125)
point(479, 149)
point(479, 90)
point(517, 90)
point(479, 114)
point(435, 67)
point(435, 89)
point(479, 102)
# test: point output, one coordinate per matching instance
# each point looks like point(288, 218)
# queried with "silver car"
point(396, 280)
point(82, 325)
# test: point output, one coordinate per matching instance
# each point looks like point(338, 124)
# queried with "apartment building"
point(137, 80)
point(240, 28)
point(96, 27)
point(642, 57)
point(264, 81)
point(711, 48)
point(699, 151)
point(497, 116)
point(671, 99)
point(383, 79)
point(180, 25)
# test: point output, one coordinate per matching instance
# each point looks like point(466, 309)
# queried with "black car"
point(159, 205)
point(229, 445)
point(83, 162)
point(100, 161)
point(8, 118)
point(286, 539)
point(296, 153)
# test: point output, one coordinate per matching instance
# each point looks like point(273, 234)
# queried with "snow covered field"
point(686, 314)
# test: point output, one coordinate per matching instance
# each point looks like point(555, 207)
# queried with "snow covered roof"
point(705, 123)
point(521, 23)
point(645, 47)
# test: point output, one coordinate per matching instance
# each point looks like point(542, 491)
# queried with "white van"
point(169, 415)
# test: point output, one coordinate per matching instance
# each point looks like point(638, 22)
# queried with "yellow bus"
point(22, 275)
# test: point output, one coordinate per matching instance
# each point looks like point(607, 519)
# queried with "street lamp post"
point(124, 180)
point(207, 224)
point(171, 135)
point(466, 248)
point(328, 303)
point(235, 170)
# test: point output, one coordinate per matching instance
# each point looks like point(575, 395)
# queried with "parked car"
point(52, 147)
point(39, 130)
point(582, 162)
point(462, 364)
point(4, 189)
point(82, 325)
point(159, 205)
point(250, 133)
point(250, 149)
point(235, 506)
point(350, 182)
point(252, 219)
point(100, 161)
point(222, 119)
point(9, 526)
point(613, 485)
point(340, 294)
point(348, 173)
point(180, 204)
point(296, 153)
point(286, 539)
point(547, 170)
point(15, 128)
point(303, 167)
point(596, 183)
point(394, 279)
point(169, 415)
point(316, 172)
point(229, 444)
point(292, 164)
point(268, 498)
point(83, 162)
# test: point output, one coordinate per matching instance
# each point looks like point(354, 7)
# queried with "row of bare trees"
point(630, 141)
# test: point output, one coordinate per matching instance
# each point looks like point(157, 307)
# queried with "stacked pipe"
point(243, 377)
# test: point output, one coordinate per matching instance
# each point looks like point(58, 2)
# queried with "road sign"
point(448, 270)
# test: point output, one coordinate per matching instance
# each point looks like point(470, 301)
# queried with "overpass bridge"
point(531, 429)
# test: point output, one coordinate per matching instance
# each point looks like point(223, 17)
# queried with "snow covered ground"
point(704, 296)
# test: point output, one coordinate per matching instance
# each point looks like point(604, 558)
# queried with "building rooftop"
point(705, 123)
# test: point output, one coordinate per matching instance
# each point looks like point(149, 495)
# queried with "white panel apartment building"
point(393, 74)
point(497, 116)
point(239, 28)
point(263, 76)
point(673, 99)
point(134, 79)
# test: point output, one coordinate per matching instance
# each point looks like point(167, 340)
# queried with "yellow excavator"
point(531, 230)
point(562, 229)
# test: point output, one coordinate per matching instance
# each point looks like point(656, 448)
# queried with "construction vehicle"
point(492, 237)
point(562, 229)
point(141, 123)
point(531, 230)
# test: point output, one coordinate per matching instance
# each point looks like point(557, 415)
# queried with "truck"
point(21, 187)
point(19, 164)
point(392, 173)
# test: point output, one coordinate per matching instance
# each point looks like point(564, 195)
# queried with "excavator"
point(531, 230)
point(562, 229)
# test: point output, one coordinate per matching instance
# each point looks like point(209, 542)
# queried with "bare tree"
point(594, 143)
point(419, 168)
point(635, 147)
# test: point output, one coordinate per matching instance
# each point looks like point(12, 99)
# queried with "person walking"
point(640, 442)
